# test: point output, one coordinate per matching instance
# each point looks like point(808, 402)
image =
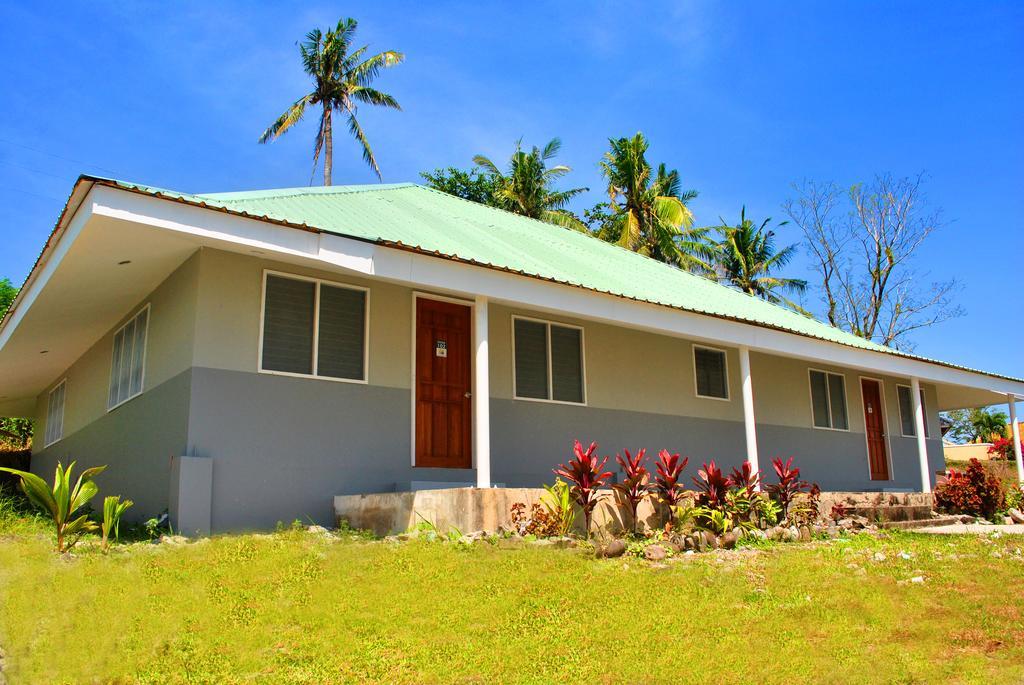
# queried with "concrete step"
point(921, 523)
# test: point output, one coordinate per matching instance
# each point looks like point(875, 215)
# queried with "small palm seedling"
point(62, 502)
point(585, 474)
point(113, 509)
point(633, 488)
point(559, 505)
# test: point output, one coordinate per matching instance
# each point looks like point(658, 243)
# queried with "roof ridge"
point(300, 191)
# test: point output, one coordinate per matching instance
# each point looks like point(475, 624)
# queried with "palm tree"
point(649, 212)
point(527, 186)
point(987, 424)
point(747, 258)
point(342, 80)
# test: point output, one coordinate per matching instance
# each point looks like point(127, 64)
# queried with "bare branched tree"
point(865, 256)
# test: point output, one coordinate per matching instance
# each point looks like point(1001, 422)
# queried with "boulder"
point(805, 534)
point(655, 553)
point(710, 540)
point(730, 539)
point(1016, 515)
point(615, 548)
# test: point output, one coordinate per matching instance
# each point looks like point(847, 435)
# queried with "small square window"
point(828, 400)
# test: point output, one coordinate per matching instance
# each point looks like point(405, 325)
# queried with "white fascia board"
point(44, 271)
point(423, 271)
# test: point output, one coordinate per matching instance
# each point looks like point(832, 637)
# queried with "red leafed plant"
point(712, 485)
point(789, 484)
point(745, 478)
point(633, 487)
point(973, 492)
point(1002, 448)
point(585, 475)
point(666, 481)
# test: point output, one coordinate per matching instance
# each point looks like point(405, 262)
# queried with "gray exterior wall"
point(282, 447)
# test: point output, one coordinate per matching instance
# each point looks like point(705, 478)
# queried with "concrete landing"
point(974, 528)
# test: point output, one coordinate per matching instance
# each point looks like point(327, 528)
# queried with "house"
point(242, 358)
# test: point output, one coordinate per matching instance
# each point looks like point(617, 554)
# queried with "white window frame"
point(551, 386)
point(145, 349)
point(64, 403)
point(828, 400)
point(316, 328)
point(913, 419)
point(725, 369)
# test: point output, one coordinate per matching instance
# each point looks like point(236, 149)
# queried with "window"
point(127, 369)
point(548, 361)
point(828, 400)
point(55, 414)
point(907, 421)
point(711, 373)
point(314, 328)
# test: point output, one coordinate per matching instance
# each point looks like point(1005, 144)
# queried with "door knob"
point(468, 395)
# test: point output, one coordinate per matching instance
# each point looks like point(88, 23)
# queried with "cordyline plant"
point(62, 501)
point(585, 475)
point(712, 486)
point(745, 478)
point(669, 470)
point(633, 487)
point(789, 485)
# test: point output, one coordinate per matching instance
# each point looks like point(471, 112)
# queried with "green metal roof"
point(426, 220)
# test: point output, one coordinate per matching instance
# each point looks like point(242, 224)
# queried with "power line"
point(66, 159)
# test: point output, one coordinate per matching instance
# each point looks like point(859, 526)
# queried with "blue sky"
point(743, 98)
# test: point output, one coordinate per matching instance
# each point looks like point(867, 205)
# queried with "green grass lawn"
point(294, 607)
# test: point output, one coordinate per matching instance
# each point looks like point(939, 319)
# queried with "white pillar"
point(481, 395)
point(748, 409)
point(922, 446)
point(1012, 401)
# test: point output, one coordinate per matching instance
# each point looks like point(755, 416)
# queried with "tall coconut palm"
point(748, 258)
point(341, 81)
point(527, 187)
point(649, 212)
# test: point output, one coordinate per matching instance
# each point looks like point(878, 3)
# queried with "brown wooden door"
point(443, 382)
point(874, 425)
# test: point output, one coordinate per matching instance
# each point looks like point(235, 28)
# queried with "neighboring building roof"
point(422, 219)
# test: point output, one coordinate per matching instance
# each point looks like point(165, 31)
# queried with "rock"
point(466, 540)
point(804, 534)
point(676, 543)
point(846, 523)
point(173, 540)
point(917, 580)
point(860, 571)
point(615, 548)
point(906, 555)
point(984, 522)
point(996, 554)
point(833, 531)
point(757, 534)
point(730, 539)
point(792, 534)
point(1017, 515)
point(655, 553)
point(1007, 521)
point(711, 541)
point(402, 537)
point(511, 542)
point(317, 530)
point(393, 538)
point(541, 542)
point(879, 556)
